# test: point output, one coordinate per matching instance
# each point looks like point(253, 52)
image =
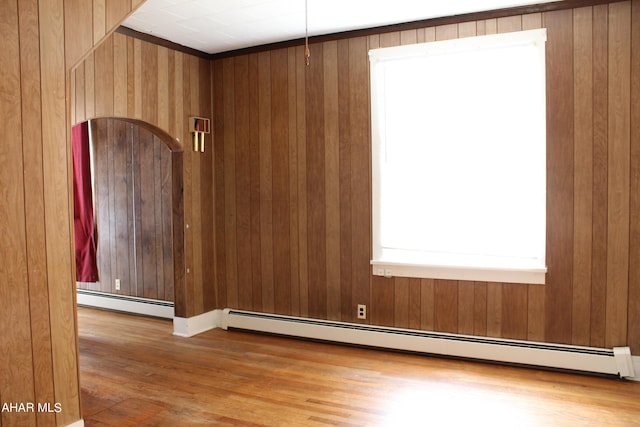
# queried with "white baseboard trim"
point(190, 326)
point(147, 307)
point(636, 368)
point(79, 423)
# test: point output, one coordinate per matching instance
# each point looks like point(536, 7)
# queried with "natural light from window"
point(459, 149)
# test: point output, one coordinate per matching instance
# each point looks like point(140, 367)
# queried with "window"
point(459, 158)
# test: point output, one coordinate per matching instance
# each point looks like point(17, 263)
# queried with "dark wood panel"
point(243, 181)
point(634, 191)
point(618, 173)
point(360, 173)
point(316, 185)
point(446, 306)
point(558, 309)
point(134, 187)
point(600, 165)
point(335, 201)
point(255, 183)
point(560, 165)
point(583, 176)
point(346, 227)
point(266, 181)
point(280, 181)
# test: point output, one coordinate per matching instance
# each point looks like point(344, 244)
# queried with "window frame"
point(476, 269)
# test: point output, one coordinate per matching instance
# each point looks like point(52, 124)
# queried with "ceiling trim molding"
point(453, 19)
point(161, 42)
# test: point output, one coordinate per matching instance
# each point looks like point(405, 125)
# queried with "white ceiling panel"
point(215, 26)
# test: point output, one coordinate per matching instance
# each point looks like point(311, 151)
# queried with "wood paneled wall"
point(134, 79)
point(292, 174)
point(41, 41)
point(134, 206)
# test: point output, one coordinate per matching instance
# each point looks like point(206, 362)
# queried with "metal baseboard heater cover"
point(616, 361)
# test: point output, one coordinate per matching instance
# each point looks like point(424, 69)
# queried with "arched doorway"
point(139, 217)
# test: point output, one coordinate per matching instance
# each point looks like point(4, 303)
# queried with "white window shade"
point(459, 150)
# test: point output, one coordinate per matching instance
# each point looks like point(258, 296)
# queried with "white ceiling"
point(215, 26)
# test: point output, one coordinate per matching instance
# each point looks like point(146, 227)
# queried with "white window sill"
point(511, 272)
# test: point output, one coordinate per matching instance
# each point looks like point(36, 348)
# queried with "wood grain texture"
point(634, 190)
point(618, 173)
point(600, 166)
point(137, 80)
point(583, 176)
point(560, 167)
point(42, 41)
point(572, 306)
point(134, 180)
point(317, 383)
point(17, 372)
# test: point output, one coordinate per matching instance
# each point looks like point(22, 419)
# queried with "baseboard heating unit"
point(616, 361)
point(127, 304)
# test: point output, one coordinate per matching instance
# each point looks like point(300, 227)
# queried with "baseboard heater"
point(616, 361)
point(126, 304)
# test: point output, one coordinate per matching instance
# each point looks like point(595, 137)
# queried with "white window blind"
point(459, 158)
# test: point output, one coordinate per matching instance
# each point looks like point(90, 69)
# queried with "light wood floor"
point(134, 372)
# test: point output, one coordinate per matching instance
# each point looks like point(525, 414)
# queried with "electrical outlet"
point(117, 284)
point(362, 311)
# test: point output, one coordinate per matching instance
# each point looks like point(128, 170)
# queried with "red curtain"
point(86, 266)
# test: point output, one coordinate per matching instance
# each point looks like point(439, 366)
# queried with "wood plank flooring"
point(134, 372)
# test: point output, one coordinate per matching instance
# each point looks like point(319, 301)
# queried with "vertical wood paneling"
point(559, 53)
point(78, 38)
point(134, 211)
point(56, 168)
point(583, 176)
point(480, 308)
point(316, 186)
point(99, 20)
point(104, 98)
point(149, 67)
point(280, 181)
point(466, 303)
point(292, 60)
point(120, 62)
point(401, 302)
point(17, 383)
point(218, 124)
point(301, 131)
point(344, 161)
point(115, 10)
point(600, 162)
point(359, 139)
point(332, 185)
point(196, 189)
point(266, 181)
point(634, 190)
point(446, 306)
point(618, 173)
point(163, 86)
point(243, 181)
point(556, 311)
point(332, 178)
point(41, 41)
point(536, 294)
point(254, 175)
point(34, 213)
